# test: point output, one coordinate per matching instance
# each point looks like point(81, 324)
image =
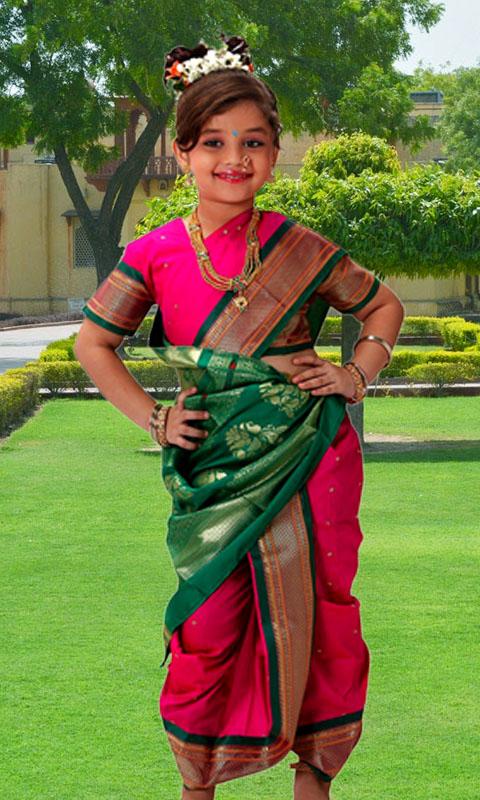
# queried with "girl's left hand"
point(323, 377)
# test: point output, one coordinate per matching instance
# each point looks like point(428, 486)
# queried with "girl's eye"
point(252, 143)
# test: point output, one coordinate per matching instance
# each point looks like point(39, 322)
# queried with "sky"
point(456, 38)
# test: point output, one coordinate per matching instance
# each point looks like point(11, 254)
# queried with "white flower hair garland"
point(183, 66)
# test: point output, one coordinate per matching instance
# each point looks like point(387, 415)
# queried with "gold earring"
point(189, 178)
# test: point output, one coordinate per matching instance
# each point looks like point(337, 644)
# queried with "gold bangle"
point(383, 342)
point(158, 424)
point(360, 387)
point(361, 372)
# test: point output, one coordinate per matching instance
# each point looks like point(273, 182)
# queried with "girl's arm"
point(95, 349)
point(382, 316)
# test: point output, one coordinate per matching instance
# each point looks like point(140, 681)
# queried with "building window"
point(83, 256)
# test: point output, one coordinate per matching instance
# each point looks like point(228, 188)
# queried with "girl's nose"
point(236, 157)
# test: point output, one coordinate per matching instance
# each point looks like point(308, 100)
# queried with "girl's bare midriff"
point(284, 363)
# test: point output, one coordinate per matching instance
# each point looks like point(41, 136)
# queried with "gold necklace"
point(238, 283)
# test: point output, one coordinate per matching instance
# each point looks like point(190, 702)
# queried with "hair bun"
point(237, 44)
point(180, 54)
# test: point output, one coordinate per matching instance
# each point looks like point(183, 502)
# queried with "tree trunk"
point(104, 232)
point(350, 330)
point(107, 254)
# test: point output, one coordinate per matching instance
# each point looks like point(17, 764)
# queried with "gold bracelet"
point(158, 424)
point(360, 385)
point(383, 342)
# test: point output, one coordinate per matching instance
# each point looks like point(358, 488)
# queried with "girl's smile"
point(233, 177)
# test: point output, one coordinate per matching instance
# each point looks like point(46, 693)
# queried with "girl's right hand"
point(177, 428)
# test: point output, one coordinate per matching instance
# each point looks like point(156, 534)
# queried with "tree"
point(428, 79)
point(459, 128)
point(62, 64)
point(380, 104)
point(460, 124)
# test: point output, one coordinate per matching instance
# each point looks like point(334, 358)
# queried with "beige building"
point(46, 262)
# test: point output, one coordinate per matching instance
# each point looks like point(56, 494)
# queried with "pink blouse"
point(168, 262)
point(161, 268)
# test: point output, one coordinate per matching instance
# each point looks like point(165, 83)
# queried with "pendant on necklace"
point(241, 302)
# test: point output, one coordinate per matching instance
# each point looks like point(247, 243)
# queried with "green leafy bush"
point(461, 334)
point(18, 395)
point(65, 345)
point(441, 375)
point(350, 154)
point(333, 357)
point(420, 222)
point(57, 376)
point(332, 325)
point(54, 354)
point(143, 331)
point(426, 326)
point(403, 360)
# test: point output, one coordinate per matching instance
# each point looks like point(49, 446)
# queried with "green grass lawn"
point(86, 577)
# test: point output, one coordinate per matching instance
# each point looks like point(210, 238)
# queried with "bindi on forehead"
point(234, 133)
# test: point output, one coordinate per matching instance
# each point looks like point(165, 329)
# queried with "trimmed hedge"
point(335, 358)
point(460, 335)
point(62, 344)
point(403, 360)
point(55, 354)
point(441, 375)
point(56, 376)
point(18, 395)
point(426, 326)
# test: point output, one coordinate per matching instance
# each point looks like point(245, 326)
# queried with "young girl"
point(259, 455)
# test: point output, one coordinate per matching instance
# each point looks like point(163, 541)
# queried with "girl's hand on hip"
point(322, 377)
point(177, 427)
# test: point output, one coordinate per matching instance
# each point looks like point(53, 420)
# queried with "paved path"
point(19, 346)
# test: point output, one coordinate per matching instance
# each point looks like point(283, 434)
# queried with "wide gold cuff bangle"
point(378, 339)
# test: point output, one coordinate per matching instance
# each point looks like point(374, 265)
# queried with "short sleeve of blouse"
point(348, 287)
point(123, 299)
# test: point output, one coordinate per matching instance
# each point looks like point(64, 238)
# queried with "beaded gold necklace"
point(238, 283)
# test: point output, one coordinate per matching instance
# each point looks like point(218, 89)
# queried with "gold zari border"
point(285, 555)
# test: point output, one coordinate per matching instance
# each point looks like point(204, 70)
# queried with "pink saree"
point(268, 656)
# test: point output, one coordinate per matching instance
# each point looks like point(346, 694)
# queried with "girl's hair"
point(216, 92)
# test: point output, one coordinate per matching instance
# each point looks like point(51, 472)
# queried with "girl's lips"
point(232, 177)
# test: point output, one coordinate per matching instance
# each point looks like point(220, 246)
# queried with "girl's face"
point(234, 155)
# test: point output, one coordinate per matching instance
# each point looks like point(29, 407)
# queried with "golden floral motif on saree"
point(248, 438)
point(288, 398)
point(174, 484)
point(208, 476)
